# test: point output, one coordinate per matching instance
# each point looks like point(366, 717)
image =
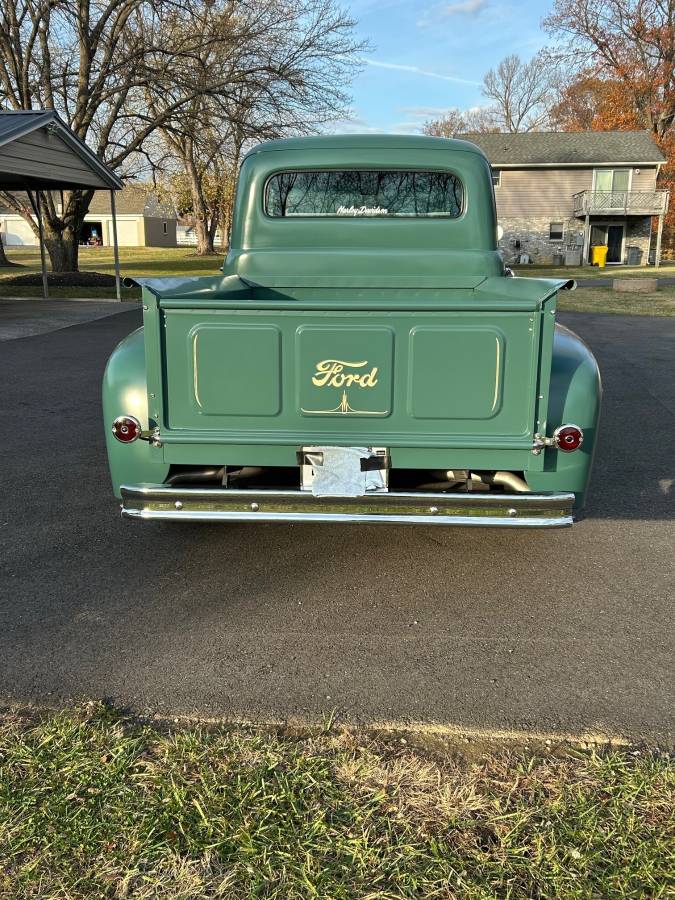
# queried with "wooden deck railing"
point(615, 203)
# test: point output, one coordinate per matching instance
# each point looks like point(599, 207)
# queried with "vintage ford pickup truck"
point(364, 357)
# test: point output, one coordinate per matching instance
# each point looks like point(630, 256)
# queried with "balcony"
point(620, 203)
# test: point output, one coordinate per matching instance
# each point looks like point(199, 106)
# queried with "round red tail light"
point(126, 429)
point(568, 438)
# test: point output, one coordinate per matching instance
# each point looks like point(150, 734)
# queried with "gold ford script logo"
point(342, 373)
point(331, 373)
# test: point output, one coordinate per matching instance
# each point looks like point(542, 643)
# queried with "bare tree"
point(198, 177)
point(82, 59)
point(448, 125)
point(304, 55)
point(481, 120)
point(119, 70)
point(521, 96)
point(522, 93)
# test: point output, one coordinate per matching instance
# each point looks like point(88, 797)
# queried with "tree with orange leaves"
point(592, 103)
point(627, 52)
point(629, 45)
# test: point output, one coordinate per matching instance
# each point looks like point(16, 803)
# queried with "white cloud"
point(445, 10)
point(415, 70)
point(423, 112)
point(464, 6)
point(406, 128)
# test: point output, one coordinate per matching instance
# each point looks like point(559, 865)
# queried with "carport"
point(39, 152)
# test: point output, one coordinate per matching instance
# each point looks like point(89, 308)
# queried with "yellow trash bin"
point(599, 256)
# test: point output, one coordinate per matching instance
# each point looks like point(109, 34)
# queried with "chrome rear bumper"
point(165, 503)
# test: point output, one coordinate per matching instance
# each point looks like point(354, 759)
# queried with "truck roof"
point(367, 141)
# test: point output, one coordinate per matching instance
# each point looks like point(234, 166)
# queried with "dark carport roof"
point(567, 148)
point(38, 150)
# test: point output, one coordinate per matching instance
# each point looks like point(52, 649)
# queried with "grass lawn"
point(95, 805)
point(148, 261)
point(606, 300)
point(666, 270)
point(158, 262)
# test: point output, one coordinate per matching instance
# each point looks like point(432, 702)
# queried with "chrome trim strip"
point(316, 518)
point(162, 503)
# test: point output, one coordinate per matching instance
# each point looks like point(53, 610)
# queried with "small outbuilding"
point(39, 152)
point(143, 220)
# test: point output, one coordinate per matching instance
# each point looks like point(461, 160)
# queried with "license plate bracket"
point(344, 471)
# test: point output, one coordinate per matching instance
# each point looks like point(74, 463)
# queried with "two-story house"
point(560, 193)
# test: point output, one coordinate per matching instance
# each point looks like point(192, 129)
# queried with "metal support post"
point(116, 249)
point(37, 209)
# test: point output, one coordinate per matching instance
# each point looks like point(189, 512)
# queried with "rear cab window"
point(364, 193)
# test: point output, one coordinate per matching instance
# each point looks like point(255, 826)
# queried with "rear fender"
point(575, 397)
point(125, 393)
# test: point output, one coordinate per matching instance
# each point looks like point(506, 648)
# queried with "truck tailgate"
point(374, 376)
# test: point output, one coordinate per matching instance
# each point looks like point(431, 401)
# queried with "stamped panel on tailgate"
point(236, 369)
point(455, 372)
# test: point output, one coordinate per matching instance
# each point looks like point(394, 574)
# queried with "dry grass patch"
point(152, 262)
point(96, 805)
point(607, 300)
point(665, 270)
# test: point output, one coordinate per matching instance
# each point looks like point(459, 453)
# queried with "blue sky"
point(428, 56)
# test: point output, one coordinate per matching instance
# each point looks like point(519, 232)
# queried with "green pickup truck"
point(364, 357)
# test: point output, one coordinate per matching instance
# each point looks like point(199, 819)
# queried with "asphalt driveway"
point(24, 317)
point(565, 631)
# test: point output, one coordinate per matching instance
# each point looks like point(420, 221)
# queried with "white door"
point(127, 233)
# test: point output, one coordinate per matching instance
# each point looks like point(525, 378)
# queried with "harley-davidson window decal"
point(352, 193)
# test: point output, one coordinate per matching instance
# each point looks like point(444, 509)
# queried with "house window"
point(555, 231)
point(612, 180)
point(165, 228)
point(496, 177)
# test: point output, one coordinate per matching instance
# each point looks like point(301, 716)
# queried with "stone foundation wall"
point(638, 232)
point(533, 234)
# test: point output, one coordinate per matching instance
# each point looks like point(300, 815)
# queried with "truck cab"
point(363, 357)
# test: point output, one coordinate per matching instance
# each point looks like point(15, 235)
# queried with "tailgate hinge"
point(540, 441)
